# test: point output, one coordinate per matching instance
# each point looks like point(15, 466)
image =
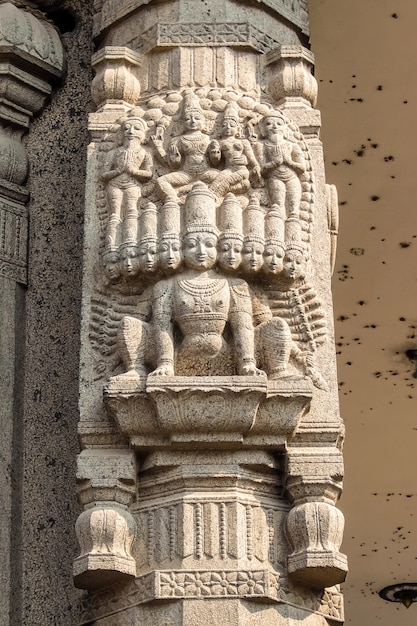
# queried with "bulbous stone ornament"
point(291, 79)
point(105, 533)
point(115, 81)
point(315, 530)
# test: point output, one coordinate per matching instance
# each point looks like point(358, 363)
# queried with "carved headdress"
point(191, 103)
point(200, 210)
point(230, 218)
point(231, 112)
point(253, 221)
point(148, 224)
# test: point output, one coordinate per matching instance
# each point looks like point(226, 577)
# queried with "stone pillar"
point(31, 65)
point(209, 421)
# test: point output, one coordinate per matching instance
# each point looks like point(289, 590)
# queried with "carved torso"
point(123, 159)
point(233, 152)
point(201, 304)
point(282, 152)
point(193, 148)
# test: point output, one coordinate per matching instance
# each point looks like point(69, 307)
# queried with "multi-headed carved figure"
point(184, 328)
point(294, 300)
point(126, 168)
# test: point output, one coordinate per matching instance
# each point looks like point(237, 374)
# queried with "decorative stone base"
point(246, 597)
point(227, 411)
point(318, 569)
point(92, 571)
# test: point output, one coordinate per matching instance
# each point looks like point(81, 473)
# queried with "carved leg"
point(274, 338)
point(277, 191)
point(130, 220)
point(229, 180)
point(165, 185)
point(133, 337)
point(114, 202)
point(293, 198)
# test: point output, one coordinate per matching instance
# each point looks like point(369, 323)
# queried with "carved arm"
point(240, 319)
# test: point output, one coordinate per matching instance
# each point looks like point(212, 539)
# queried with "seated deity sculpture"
point(188, 154)
point(126, 167)
point(282, 165)
point(202, 321)
point(236, 155)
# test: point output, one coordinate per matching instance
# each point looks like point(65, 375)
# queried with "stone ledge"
point(236, 411)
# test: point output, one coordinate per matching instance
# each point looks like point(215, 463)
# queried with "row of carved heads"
point(262, 249)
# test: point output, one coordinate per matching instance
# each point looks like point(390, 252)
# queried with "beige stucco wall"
point(365, 65)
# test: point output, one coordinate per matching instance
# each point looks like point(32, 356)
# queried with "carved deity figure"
point(252, 255)
point(229, 252)
point(200, 302)
point(188, 154)
point(237, 156)
point(112, 266)
point(282, 165)
point(201, 321)
point(169, 253)
point(126, 168)
point(273, 257)
point(128, 260)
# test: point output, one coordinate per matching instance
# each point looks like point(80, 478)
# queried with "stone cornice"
point(110, 11)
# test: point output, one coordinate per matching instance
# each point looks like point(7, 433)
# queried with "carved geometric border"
point(194, 584)
point(180, 584)
point(205, 34)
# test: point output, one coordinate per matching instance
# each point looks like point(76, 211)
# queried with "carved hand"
point(106, 176)
point(174, 154)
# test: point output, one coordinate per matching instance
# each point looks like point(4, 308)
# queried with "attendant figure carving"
point(127, 167)
point(282, 165)
point(294, 300)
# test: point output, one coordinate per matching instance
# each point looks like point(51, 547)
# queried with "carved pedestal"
point(209, 420)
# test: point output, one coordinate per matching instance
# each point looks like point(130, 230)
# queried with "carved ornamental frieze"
point(209, 424)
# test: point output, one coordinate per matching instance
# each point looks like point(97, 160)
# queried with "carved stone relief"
point(206, 325)
point(198, 204)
